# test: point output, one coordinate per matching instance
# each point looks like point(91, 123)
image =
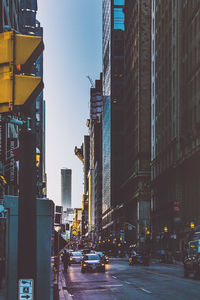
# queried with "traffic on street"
point(124, 282)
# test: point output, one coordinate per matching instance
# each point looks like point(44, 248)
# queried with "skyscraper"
point(175, 117)
point(66, 187)
point(113, 106)
point(137, 99)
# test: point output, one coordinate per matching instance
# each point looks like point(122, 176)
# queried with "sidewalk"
point(63, 292)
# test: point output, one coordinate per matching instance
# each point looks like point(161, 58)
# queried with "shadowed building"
point(95, 130)
point(175, 119)
point(137, 103)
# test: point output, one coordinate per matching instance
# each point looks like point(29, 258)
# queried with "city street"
point(124, 282)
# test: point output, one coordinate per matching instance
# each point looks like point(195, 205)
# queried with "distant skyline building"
point(66, 188)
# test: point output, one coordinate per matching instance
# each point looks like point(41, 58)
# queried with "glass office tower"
point(112, 124)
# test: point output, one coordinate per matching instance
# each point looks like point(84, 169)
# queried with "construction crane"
point(91, 81)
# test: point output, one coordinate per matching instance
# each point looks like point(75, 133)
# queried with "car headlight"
point(102, 265)
point(71, 258)
point(84, 265)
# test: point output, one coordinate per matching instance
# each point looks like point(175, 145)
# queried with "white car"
point(75, 257)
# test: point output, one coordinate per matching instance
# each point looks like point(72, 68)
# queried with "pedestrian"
point(66, 258)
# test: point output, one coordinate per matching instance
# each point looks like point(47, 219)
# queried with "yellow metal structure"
point(17, 55)
point(79, 154)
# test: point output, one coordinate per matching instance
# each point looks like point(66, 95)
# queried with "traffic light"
point(18, 84)
point(165, 229)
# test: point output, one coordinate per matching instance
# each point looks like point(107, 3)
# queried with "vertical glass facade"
point(106, 47)
point(106, 152)
point(113, 63)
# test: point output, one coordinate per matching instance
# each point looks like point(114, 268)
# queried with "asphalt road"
point(124, 282)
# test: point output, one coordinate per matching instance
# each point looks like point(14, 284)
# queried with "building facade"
point(66, 188)
point(137, 98)
point(165, 116)
point(95, 130)
point(175, 119)
point(113, 116)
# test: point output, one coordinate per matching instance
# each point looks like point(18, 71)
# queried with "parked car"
point(137, 258)
point(92, 262)
point(75, 257)
point(192, 261)
point(104, 258)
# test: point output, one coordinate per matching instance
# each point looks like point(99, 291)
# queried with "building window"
point(118, 18)
point(118, 2)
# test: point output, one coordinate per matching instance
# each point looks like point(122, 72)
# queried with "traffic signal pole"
point(27, 214)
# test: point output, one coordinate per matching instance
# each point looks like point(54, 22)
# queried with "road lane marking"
point(113, 285)
point(114, 277)
point(127, 282)
point(146, 291)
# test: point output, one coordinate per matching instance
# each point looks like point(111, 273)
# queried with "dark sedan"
point(136, 258)
point(92, 262)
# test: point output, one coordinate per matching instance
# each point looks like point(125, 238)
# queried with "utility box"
point(44, 221)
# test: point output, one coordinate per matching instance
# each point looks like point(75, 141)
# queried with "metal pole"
point(27, 208)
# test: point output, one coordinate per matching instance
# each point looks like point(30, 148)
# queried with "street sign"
point(3, 212)
point(1, 208)
point(26, 289)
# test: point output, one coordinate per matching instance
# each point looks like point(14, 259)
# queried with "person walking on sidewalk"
point(66, 258)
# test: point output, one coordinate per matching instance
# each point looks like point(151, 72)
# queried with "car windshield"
point(91, 257)
point(76, 254)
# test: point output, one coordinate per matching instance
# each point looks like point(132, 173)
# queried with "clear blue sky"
point(73, 50)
